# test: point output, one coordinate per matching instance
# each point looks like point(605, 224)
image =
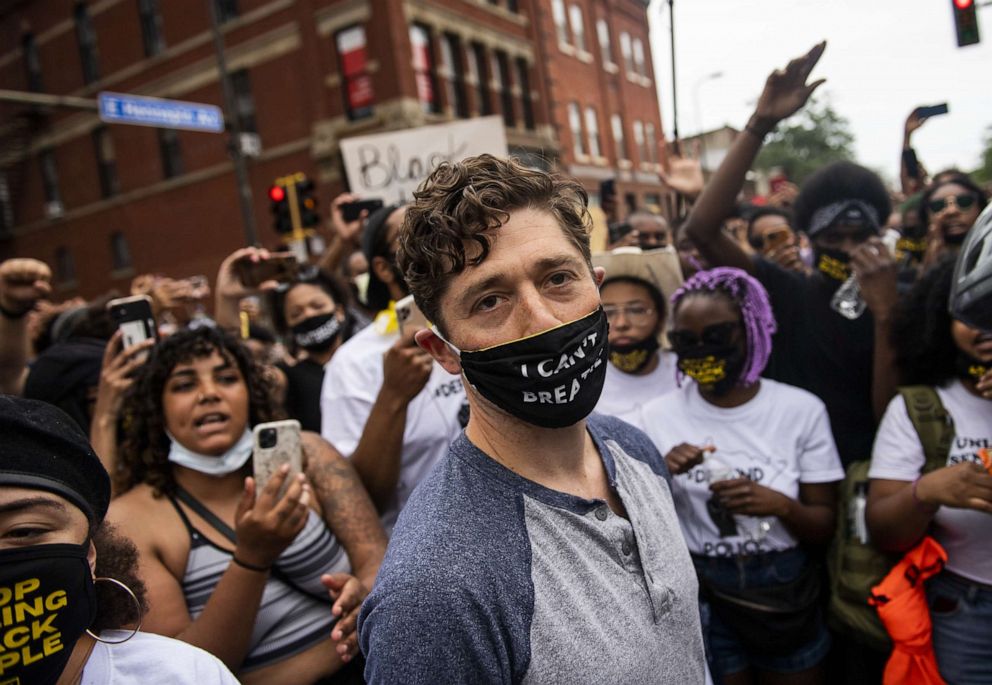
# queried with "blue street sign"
point(119, 108)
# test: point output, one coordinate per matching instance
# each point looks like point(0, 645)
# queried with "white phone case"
point(268, 458)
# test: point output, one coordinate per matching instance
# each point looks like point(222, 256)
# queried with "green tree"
point(818, 136)
point(983, 174)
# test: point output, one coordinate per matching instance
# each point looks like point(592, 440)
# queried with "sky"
point(883, 58)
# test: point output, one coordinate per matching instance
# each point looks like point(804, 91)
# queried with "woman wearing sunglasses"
point(949, 208)
point(633, 297)
point(755, 468)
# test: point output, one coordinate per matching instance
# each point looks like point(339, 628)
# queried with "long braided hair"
point(756, 312)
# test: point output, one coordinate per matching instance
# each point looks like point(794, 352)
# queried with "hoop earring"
point(137, 606)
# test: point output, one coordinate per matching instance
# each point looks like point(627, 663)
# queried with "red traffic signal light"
point(277, 193)
point(965, 22)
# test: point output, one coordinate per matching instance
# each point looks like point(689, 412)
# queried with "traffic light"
point(965, 22)
point(282, 219)
point(307, 204)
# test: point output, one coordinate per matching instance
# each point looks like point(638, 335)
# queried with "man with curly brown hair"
point(545, 547)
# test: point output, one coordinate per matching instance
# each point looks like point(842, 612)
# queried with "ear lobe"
point(429, 341)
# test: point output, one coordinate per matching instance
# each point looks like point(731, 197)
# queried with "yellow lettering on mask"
point(56, 600)
point(704, 370)
point(16, 637)
point(833, 267)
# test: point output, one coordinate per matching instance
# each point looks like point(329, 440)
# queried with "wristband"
point(9, 314)
point(250, 567)
point(920, 504)
point(755, 131)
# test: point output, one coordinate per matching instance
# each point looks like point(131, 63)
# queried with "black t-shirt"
point(303, 383)
point(819, 350)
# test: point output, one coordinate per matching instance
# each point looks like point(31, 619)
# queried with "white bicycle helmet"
point(971, 289)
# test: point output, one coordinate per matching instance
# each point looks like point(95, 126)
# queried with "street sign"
point(120, 108)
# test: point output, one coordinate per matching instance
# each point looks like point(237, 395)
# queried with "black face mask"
point(635, 356)
point(552, 379)
point(955, 239)
point(47, 601)
point(834, 264)
point(318, 333)
point(968, 368)
point(715, 367)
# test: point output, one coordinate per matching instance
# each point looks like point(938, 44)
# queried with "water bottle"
point(752, 527)
point(847, 301)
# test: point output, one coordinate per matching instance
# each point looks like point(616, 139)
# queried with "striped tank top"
point(295, 611)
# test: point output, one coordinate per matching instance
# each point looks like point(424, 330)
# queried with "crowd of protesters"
point(635, 465)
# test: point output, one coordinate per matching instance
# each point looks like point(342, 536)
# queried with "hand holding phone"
point(352, 211)
point(282, 267)
point(409, 317)
point(133, 317)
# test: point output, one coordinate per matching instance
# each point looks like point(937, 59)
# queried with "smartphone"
point(280, 267)
point(276, 443)
point(776, 183)
point(926, 112)
point(351, 211)
point(409, 316)
point(776, 239)
point(133, 317)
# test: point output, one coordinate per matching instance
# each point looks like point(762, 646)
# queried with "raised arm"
point(785, 92)
point(345, 235)
point(229, 290)
point(22, 283)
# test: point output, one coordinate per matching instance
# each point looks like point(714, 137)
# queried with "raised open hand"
point(684, 175)
point(786, 90)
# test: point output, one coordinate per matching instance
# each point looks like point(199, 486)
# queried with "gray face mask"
point(229, 462)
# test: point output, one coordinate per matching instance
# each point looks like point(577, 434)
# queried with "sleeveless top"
point(295, 611)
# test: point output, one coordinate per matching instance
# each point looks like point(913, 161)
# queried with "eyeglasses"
point(962, 201)
point(636, 314)
point(718, 335)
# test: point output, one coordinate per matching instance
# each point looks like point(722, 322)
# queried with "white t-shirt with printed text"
point(624, 393)
point(779, 439)
point(966, 534)
point(352, 381)
point(151, 660)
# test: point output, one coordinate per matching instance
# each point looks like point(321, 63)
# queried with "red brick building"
point(101, 203)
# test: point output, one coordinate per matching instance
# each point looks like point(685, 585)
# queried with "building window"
point(454, 74)
point(575, 123)
point(171, 151)
point(226, 10)
point(50, 178)
point(105, 161)
point(65, 266)
point(502, 69)
point(86, 37)
point(616, 123)
point(478, 70)
point(6, 207)
point(32, 63)
point(512, 5)
point(639, 140)
point(354, 64)
point(561, 21)
point(650, 143)
point(523, 80)
point(120, 253)
point(639, 66)
point(592, 130)
point(625, 52)
point(244, 103)
point(151, 27)
point(578, 27)
point(603, 34)
point(424, 68)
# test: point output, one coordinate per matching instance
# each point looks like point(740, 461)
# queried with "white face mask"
point(229, 462)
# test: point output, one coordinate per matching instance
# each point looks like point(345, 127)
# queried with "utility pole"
point(234, 141)
point(675, 100)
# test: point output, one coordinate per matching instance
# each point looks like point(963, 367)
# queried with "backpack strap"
point(933, 424)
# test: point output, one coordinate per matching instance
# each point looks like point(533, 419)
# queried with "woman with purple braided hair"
point(754, 470)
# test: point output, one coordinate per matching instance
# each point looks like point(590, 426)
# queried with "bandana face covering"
point(635, 356)
point(552, 379)
point(915, 247)
point(834, 264)
point(717, 367)
point(47, 600)
point(318, 333)
point(969, 368)
point(229, 462)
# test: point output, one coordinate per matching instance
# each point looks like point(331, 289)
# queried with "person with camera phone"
point(267, 577)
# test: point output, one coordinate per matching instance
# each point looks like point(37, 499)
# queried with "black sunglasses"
point(719, 334)
point(963, 201)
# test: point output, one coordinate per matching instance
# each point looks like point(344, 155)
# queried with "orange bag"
point(901, 602)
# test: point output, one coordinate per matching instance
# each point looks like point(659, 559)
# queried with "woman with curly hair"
point(754, 470)
point(258, 578)
point(953, 502)
point(70, 598)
